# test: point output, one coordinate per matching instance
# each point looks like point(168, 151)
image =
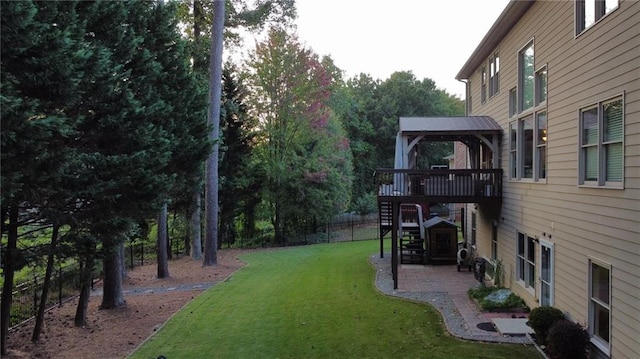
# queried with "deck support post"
point(394, 241)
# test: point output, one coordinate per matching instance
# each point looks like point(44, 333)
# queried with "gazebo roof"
point(449, 125)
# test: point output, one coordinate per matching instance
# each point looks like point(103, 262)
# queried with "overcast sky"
point(431, 38)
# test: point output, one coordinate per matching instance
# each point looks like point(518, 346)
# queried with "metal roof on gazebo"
point(449, 125)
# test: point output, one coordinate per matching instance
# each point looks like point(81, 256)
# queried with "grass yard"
point(316, 301)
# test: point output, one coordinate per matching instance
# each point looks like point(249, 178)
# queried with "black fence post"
point(352, 228)
point(141, 254)
point(131, 245)
point(60, 285)
point(35, 295)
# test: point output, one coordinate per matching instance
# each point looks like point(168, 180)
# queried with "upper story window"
point(513, 102)
point(494, 74)
point(601, 150)
point(588, 12)
point(483, 90)
point(541, 145)
point(526, 77)
point(541, 85)
point(528, 147)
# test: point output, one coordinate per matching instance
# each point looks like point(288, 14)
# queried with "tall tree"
point(215, 91)
point(40, 69)
point(291, 93)
point(199, 17)
point(239, 184)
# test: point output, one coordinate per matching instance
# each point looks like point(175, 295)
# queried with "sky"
point(431, 38)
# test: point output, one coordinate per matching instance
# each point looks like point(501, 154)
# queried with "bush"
point(568, 340)
point(541, 319)
point(513, 302)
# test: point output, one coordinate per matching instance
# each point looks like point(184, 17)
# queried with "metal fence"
point(26, 295)
point(65, 281)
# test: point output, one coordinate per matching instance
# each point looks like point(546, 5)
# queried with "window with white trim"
point(526, 261)
point(601, 148)
point(528, 147)
point(494, 74)
point(588, 12)
point(513, 102)
point(528, 132)
point(483, 89)
point(600, 305)
point(541, 145)
point(541, 86)
point(526, 77)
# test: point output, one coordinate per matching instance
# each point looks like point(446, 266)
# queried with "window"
point(601, 150)
point(494, 74)
point(483, 89)
point(513, 150)
point(588, 12)
point(526, 261)
point(513, 102)
point(525, 126)
point(528, 147)
point(541, 145)
point(525, 77)
point(600, 305)
point(541, 86)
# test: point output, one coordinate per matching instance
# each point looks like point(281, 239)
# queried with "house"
point(562, 81)
point(551, 143)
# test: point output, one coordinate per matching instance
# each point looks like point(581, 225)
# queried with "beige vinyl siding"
point(582, 222)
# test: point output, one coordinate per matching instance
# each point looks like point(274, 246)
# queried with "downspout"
point(466, 96)
point(467, 90)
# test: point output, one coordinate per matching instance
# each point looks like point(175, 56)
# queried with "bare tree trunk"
point(8, 271)
point(215, 92)
point(196, 228)
point(86, 276)
point(112, 296)
point(163, 262)
point(123, 262)
point(37, 329)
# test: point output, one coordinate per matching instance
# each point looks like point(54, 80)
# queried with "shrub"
point(568, 340)
point(541, 319)
point(512, 302)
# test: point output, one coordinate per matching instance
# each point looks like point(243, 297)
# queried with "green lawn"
point(316, 301)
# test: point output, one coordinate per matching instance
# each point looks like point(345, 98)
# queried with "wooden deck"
point(397, 188)
point(439, 186)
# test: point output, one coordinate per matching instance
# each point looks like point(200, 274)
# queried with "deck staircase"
point(412, 239)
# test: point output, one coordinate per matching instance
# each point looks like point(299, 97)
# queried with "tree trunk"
point(196, 225)
point(112, 296)
point(86, 276)
point(9, 271)
point(163, 262)
point(123, 262)
point(195, 228)
point(37, 329)
point(215, 89)
point(277, 224)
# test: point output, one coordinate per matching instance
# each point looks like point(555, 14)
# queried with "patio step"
point(512, 326)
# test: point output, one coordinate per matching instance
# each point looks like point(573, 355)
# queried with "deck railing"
point(454, 185)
